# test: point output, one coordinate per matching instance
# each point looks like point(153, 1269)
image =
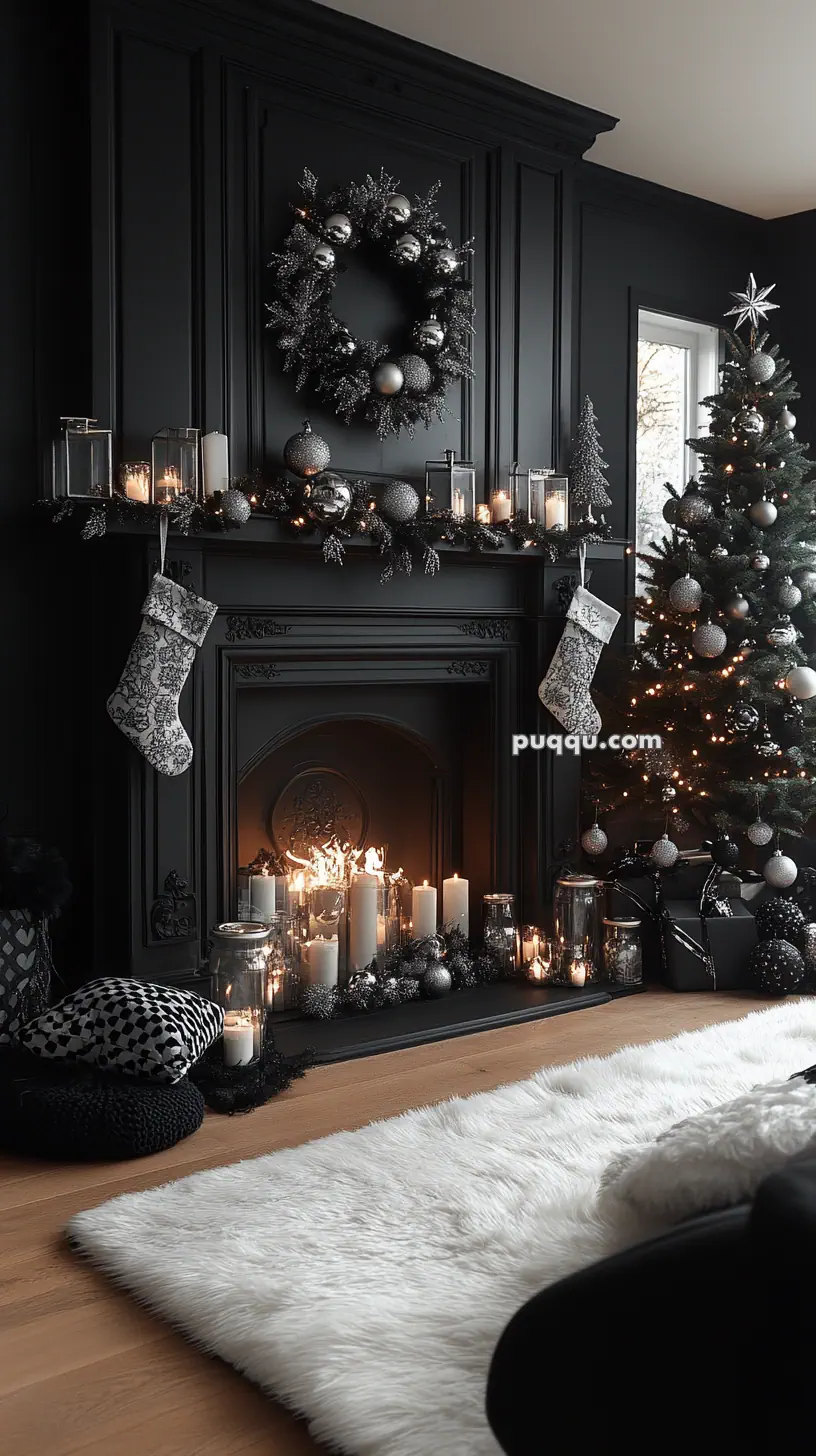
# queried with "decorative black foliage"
point(240, 1089)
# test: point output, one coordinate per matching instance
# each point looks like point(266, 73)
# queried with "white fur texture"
point(364, 1279)
point(718, 1157)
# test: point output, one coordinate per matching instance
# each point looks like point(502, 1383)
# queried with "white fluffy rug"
point(364, 1279)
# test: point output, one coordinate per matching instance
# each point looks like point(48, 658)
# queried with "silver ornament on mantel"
point(763, 513)
point(786, 419)
point(593, 840)
point(761, 367)
point(416, 373)
point(759, 832)
point(782, 633)
point(398, 207)
point(738, 606)
point(759, 561)
point(430, 333)
point(235, 507)
point(664, 852)
point(685, 594)
point(437, 981)
point(330, 498)
point(749, 422)
point(779, 871)
point(407, 249)
point(306, 454)
point(788, 594)
point(399, 502)
point(445, 262)
point(708, 640)
point(693, 509)
point(323, 257)
point(387, 378)
point(337, 228)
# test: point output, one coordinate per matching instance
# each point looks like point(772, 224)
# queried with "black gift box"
point(730, 938)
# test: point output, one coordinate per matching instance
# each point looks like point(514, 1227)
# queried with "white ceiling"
point(715, 97)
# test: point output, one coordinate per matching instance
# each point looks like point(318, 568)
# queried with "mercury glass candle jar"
point(623, 952)
point(577, 911)
point(501, 931)
point(238, 969)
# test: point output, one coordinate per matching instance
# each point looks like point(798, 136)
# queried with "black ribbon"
point(637, 864)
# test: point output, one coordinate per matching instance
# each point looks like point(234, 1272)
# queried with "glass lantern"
point(622, 952)
point(549, 499)
point(282, 983)
point(501, 931)
point(262, 892)
point(450, 485)
point(318, 918)
point(174, 464)
point(238, 970)
point(374, 920)
point(134, 481)
point(577, 914)
point(82, 460)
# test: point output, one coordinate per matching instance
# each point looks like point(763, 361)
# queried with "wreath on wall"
point(392, 387)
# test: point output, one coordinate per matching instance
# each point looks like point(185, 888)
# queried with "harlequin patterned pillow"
point(127, 1026)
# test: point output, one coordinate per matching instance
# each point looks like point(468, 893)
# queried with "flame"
point(334, 863)
point(228, 992)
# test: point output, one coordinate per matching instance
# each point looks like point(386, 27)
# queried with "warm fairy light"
point(694, 752)
point(708, 717)
point(649, 601)
point(729, 469)
point(645, 778)
point(626, 793)
point(676, 774)
point(634, 702)
point(628, 551)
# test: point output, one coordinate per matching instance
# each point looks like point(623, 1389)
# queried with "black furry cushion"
point(77, 1115)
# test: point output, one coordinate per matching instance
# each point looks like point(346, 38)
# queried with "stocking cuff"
point(179, 609)
point(596, 617)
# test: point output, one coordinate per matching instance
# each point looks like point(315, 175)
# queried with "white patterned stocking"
point(565, 687)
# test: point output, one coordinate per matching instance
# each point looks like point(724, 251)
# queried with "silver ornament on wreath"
point(760, 833)
point(761, 367)
point(337, 228)
point(786, 419)
point(749, 422)
point(664, 853)
point(763, 513)
point(685, 594)
point(430, 334)
point(306, 454)
point(759, 561)
point(323, 257)
point(445, 262)
point(779, 871)
point(437, 981)
point(788, 594)
point(398, 207)
point(708, 640)
point(387, 378)
point(782, 634)
point(399, 502)
point(330, 498)
point(235, 507)
point(407, 249)
point(416, 373)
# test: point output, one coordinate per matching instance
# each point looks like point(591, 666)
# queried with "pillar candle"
point(578, 973)
point(261, 896)
point(215, 461)
point(455, 910)
point(555, 513)
point(239, 1042)
point(423, 910)
point(500, 507)
point(322, 961)
point(363, 920)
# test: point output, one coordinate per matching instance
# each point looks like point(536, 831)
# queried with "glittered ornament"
point(801, 683)
point(408, 988)
point(719, 553)
point(398, 207)
point(788, 594)
point(668, 793)
point(759, 561)
point(437, 981)
point(593, 840)
point(329, 499)
point(664, 853)
point(693, 510)
point(779, 871)
point(805, 579)
point(708, 640)
point(777, 968)
point(399, 502)
point(742, 718)
point(759, 833)
point(430, 333)
point(780, 917)
point(761, 368)
point(685, 594)
point(786, 419)
point(445, 262)
point(416, 373)
point(359, 990)
point(407, 249)
point(323, 257)
point(738, 606)
point(766, 746)
point(670, 510)
point(808, 945)
point(724, 852)
point(763, 513)
point(387, 378)
point(320, 1002)
point(782, 634)
point(235, 507)
point(306, 454)
point(337, 228)
point(749, 422)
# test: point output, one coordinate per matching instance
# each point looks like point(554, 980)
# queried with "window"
point(676, 368)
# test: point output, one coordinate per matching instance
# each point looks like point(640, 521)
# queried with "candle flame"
point(332, 864)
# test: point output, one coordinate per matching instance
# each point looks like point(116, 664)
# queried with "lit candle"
point(168, 486)
point(239, 1039)
point(500, 506)
point(215, 462)
point(555, 513)
point(458, 503)
point(578, 972)
point(423, 910)
point(455, 909)
point(321, 961)
point(537, 971)
point(363, 920)
point(136, 480)
point(531, 945)
point(483, 514)
point(261, 896)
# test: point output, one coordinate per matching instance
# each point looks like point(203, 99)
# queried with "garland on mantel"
point(286, 502)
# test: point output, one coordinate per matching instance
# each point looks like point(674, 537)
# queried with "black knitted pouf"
point(89, 1117)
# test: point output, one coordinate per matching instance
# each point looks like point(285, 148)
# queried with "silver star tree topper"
point(752, 304)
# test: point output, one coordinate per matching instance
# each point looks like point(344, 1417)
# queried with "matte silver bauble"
point(801, 683)
point(685, 594)
point(398, 207)
point(786, 419)
point(430, 334)
point(719, 553)
point(738, 607)
point(407, 249)
point(779, 871)
point(306, 454)
point(445, 262)
point(761, 368)
point(670, 510)
point(387, 378)
point(788, 594)
point(323, 257)
point(235, 507)
point(664, 852)
point(708, 640)
point(693, 509)
point(337, 228)
point(437, 981)
point(593, 840)
point(763, 513)
point(330, 498)
point(749, 422)
point(805, 579)
point(759, 561)
point(399, 502)
point(782, 633)
point(760, 833)
point(416, 373)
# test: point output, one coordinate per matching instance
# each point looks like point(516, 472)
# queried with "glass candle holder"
point(320, 924)
point(483, 515)
point(540, 968)
point(577, 910)
point(282, 982)
point(373, 920)
point(623, 952)
point(261, 894)
point(134, 481)
point(501, 931)
point(175, 464)
point(450, 485)
point(82, 460)
point(238, 966)
point(502, 506)
point(549, 499)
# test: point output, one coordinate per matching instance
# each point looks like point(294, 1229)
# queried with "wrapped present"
point(728, 940)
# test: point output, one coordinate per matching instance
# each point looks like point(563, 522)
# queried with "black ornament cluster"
point(391, 387)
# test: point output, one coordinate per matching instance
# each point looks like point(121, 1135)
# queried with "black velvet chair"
point(702, 1340)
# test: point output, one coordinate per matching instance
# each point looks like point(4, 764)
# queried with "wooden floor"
point(84, 1370)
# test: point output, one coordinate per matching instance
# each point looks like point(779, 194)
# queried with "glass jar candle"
point(623, 952)
point(501, 931)
point(540, 967)
point(577, 917)
point(238, 967)
point(320, 934)
point(282, 983)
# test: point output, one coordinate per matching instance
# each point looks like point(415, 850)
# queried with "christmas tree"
point(588, 487)
point(721, 670)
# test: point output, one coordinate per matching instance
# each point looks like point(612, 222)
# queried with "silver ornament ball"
point(719, 553)
point(407, 249)
point(685, 594)
point(806, 581)
point(664, 852)
point(430, 333)
point(788, 594)
point(786, 419)
point(593, 840)
point(398, 207)
point(750, 422)
point(738, 607)
point(759, 832)
point(387, 378)
point(782, 634)
point(306, 454)
point(670, 510)
point(708, 640)
point(761, 368)
point(759, 561)
point(399, 502)
point(693, 509)
point(801, 683)
point(437, 981)
point(416, 373)
point(668, 794)
point(763, 513)
point(337, 228)
point(235, 507)
point(330, 498)
point(445, 262)
point(323, 257)
point(780, 871)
